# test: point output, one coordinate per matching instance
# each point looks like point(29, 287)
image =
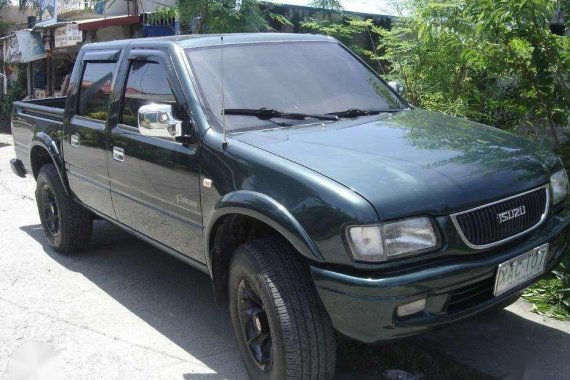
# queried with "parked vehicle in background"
point(315, 197)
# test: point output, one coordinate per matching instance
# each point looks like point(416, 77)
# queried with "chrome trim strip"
point(542, 219)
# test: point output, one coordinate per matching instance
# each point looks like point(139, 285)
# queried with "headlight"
point(559, 186)
point(392, 240)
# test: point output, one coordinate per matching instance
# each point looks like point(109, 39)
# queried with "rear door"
point(85, 126)
point(155, 181)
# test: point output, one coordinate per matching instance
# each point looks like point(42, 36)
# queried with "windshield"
point(294, 77)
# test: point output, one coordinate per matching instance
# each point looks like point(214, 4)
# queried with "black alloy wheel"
point(49, 210)
point(66, 223)
point(255, 326)
point(281, 327)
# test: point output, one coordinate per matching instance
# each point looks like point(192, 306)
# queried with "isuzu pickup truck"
point(317, 199)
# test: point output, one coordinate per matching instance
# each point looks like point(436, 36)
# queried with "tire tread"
point(76, 223)
point(309, 339)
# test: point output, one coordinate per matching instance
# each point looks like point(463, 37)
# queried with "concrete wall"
point(15, 18)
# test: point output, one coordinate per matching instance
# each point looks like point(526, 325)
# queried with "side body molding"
point(267, 210)
point(42, 140)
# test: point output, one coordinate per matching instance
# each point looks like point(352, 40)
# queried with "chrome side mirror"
point(397, 86)
point(157, 120)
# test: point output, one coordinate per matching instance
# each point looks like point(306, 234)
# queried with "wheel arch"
point(260, 216)
point(44, 151)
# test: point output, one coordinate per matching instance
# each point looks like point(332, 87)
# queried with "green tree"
point(327, 7)
point(222, 16)
point(493, 61)
point(359, 35)
point(6, 100)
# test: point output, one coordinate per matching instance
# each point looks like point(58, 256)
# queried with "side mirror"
point(398, 87)
point(157, 120)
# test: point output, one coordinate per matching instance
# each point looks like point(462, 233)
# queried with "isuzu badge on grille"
point(511, 214)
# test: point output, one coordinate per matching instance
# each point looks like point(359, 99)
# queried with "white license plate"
point(520, 269)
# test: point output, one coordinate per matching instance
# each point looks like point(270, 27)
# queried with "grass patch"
point(551, 295)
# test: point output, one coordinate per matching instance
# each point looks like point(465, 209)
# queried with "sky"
point(365, 6)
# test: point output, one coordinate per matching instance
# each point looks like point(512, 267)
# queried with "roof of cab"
point(204, 40)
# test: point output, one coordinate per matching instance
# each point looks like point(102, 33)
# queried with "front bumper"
point(363, 308)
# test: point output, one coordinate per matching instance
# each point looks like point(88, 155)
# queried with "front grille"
point(483, 227)
point(470, 295)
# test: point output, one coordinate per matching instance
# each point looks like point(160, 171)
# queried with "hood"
point(414, 162)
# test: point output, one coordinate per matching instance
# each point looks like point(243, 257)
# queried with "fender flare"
point(266, 210)
point(42, 140)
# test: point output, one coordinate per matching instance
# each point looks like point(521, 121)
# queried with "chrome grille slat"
point(480, 227)
point(488, 230)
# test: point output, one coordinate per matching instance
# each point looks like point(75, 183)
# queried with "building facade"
point(41, 45)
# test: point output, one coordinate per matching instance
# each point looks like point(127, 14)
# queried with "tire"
point(297, 338)
point(66, 224)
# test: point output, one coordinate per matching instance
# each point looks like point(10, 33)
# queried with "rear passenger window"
point(95, 90)
point(147, 83)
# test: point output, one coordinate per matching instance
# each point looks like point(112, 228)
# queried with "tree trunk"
point(553, 132)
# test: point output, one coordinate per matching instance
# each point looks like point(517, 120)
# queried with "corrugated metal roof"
point(4, 38)
point(86, 24)
point(96, 22)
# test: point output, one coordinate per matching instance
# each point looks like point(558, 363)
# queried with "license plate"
point(520, 269)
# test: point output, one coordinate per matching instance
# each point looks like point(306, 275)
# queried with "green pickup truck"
point(317, 199)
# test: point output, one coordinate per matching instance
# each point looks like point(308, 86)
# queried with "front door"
point(154, 180)
point(85, 142)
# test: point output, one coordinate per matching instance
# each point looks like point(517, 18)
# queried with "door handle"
point(118, 154)
point(75, 140)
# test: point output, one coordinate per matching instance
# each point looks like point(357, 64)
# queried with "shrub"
point(494, 61)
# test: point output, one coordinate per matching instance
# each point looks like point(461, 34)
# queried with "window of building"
point(63, 66)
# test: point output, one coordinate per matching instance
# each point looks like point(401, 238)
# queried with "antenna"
point(224, 131)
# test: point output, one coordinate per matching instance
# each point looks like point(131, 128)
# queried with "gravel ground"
point(124, 310)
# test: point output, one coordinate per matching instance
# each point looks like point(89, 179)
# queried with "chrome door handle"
point(118, 154)
point(75, 140)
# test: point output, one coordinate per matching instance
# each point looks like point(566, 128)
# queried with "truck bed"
point(58, 102)
point(31, 118)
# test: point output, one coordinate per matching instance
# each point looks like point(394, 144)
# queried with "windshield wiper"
point(356, 112)
point(269, 113)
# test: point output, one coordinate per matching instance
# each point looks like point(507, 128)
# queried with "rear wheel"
point(282, 329)
point(66, 224)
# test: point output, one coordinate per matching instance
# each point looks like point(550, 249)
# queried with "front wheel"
point(282, 329)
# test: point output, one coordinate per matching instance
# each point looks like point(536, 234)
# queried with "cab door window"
point(95, 90)
point(147, 83)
